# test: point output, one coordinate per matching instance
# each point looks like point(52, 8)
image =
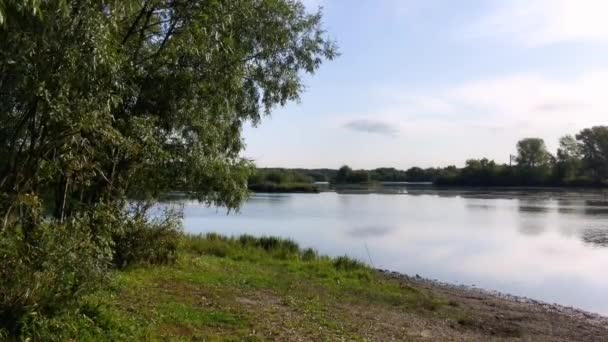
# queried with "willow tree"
point(101, 100)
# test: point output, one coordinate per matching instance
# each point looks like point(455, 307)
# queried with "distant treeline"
point(580, 160)
point(344, 175)
point(281, 180)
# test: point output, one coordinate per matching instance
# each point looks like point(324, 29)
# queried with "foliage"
point(284, 188)
point(104, 100)
point(346, 175)
point(580, 161)
point(144, 240)
point(385, 174)
point(569, 159)
point(348, 264)
point(46, 278)
point(244, 246)
point(280, 180)
point(532, 153)
point(593, 144)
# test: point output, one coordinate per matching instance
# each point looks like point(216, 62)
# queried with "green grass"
point(246, 288)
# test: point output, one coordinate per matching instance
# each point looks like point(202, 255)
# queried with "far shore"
point(413, 186)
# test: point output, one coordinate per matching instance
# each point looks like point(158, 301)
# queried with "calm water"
point(551, 246)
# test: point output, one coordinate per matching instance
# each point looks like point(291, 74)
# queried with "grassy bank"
point(255, 289)
point(250, 289)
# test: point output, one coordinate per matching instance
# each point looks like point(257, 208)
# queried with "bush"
point(309, 254)
point(348, 264)
point(144, 240)
point(248, 240)
point(44, 277)
point(209, 244)
point(242, 247)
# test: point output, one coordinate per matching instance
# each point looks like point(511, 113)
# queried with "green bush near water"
point(244, 246)
point(249, 247)
point(42, 283)
point(141, 240)
point(47, 276)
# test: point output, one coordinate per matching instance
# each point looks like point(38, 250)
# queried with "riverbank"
point(269, 289)
point(284, 188)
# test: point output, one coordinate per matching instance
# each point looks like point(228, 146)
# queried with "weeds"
point(346, 263)
point(249, 247)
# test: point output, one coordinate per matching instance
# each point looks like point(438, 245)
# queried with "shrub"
point(144, 240)
point(248, 240)
point(348, 264)
point(280, 248)
point(216, 237)
point(209, 244)
point(309, 254)
point(44, 277)
point(241, 247)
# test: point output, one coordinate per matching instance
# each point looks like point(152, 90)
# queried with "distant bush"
point(287, 187)
point(279, 176)
point(44, 276)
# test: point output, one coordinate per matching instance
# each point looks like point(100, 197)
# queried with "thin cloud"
point(370, 231)
point(373, 127)
point(536, 23)
point(559, 106)
point(504, 101)
point(486, 116)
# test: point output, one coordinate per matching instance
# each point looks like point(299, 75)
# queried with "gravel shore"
point(505, 316)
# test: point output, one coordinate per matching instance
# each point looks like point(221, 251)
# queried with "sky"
point(435, 82)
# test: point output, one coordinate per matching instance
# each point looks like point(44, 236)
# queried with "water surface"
point(548, 245)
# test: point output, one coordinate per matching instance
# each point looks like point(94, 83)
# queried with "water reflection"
point(541, 244)
point(531, 227)
point(480, 206)
point(370, 231)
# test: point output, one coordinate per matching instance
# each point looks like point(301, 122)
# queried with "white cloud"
point(545, 22)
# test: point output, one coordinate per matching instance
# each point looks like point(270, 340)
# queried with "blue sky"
point(435, 82)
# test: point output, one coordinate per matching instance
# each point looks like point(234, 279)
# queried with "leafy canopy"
point(105, 99)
